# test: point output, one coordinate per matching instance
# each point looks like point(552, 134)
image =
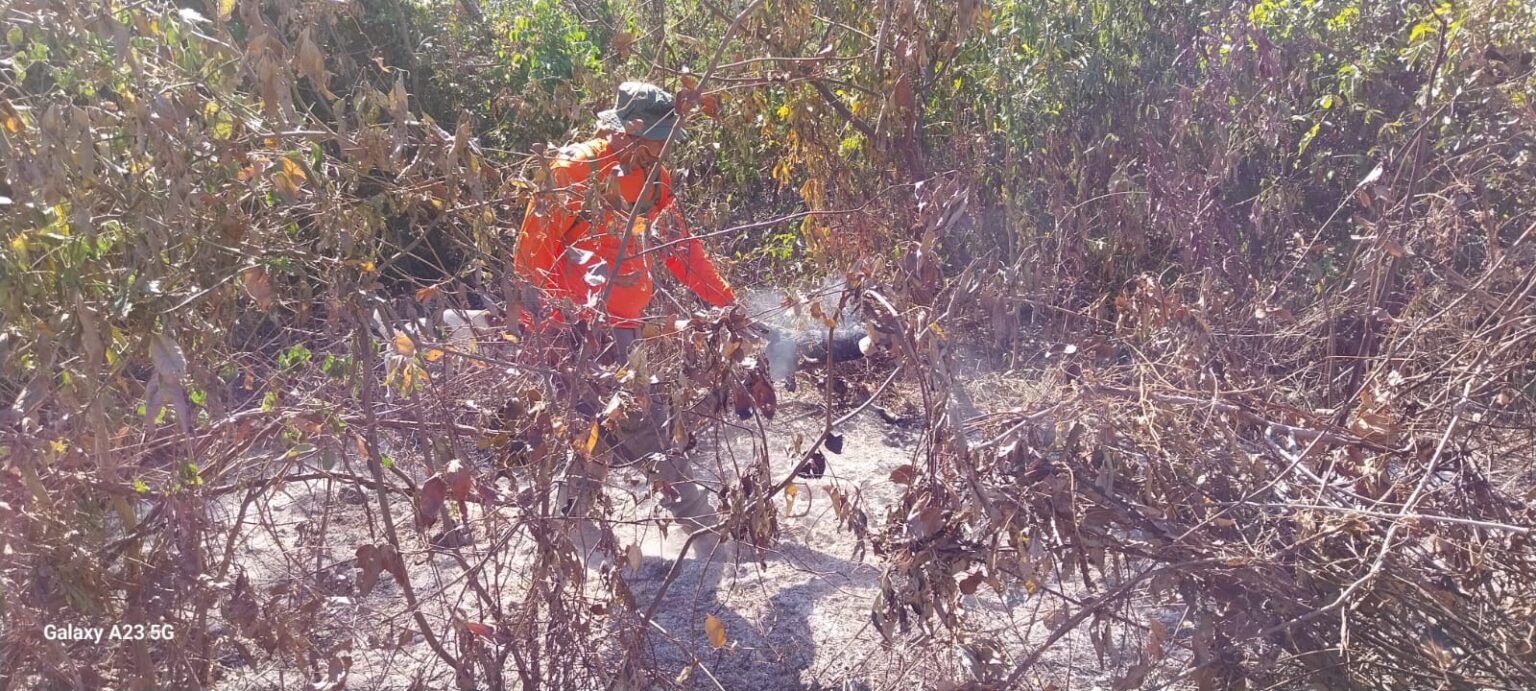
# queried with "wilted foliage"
point(1272, 261)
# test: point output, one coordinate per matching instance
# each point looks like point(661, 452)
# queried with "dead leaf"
point(394, 564)
point(433, 355)
point(815, 468)
point(1155, 640)
point(715, 630)
point(710, 105)
point(259, 287)
point(369, 566)
point(741, 400)
point(591, 442)
point(286, 186)
point(404, 345)
point(623, 43)
point(433, 493)
point(969, 584)
point(458, 537)
point(761, 389)
point(479, 629)
point(634, 557)
point(460, 484)
point(293, 170)
point(789, 498)
point(312, 63)
point(169, 360)
point(428, 293)
point(904, 475)
point(925, 523)
point(242, 609)
point(399, 99)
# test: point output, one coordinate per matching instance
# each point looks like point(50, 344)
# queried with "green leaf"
point(14, 36)
point(1306, 139)
point(386, 461)
point(269, 403)
point(296, 356)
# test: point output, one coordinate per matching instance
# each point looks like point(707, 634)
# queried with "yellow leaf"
point(58, 445)
point(226, 8)
point(404, 345)
point(715, 630)
point(12, 124)
point(433, 355)
point(286, 185)
point(293, 170)
point(591, 440)
point(428, 293)
point(789, 498)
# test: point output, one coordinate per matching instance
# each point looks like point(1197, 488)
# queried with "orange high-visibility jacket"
point(570, 237)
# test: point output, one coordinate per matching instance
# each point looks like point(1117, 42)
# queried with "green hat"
point(642, 110)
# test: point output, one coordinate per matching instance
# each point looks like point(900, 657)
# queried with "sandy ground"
point(797, 618)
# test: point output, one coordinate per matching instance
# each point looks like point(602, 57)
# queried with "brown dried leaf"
point(761, 389)
point(623, 43)
point(286, 186)
point(460, 484)
point(433, 493)
point(741, 400)
point(904, 475)
point(369, 566)
point(925, 523)
point(710, 105)
point(258, 285)
point(242, 609)
point(394, 564)
point(969, 584)
point(312, 63)
point(1155, 640)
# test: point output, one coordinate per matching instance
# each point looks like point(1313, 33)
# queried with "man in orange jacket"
point(573, 243)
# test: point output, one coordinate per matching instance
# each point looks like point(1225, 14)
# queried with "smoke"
point(792, 325)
